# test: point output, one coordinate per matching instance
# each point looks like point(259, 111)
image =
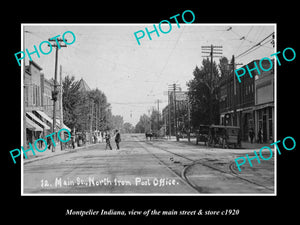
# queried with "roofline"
point(36, 65)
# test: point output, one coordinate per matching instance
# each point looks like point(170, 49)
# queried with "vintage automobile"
point(224, 136)
point(202, 134)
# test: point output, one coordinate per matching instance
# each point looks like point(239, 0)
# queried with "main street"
point(148, 167)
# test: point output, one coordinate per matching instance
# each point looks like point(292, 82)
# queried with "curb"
point(26, 161)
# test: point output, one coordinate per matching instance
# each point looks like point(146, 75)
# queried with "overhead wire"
point(255, 47)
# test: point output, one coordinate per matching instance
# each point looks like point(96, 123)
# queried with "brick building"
point(264, 103)
point(249, 104)
point(38, 104)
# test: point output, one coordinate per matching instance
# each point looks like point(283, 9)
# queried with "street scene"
point(141, 167)
point(160, 117)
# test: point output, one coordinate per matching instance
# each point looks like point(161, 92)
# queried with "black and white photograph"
point(145, 113)
point(148, 109)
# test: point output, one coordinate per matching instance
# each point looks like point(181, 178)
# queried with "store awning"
point(258, 107)
point(34, 118)
point(63, 126)
point(46, 117)
point(32, 125)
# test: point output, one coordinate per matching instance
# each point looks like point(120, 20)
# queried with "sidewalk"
point(48, 153)
point(245, 144)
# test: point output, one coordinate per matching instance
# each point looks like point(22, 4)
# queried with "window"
point(33, 95)
point(38, 96)
point(26, 93)
point(270, 124)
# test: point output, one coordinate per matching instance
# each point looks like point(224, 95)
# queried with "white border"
point(150, 194)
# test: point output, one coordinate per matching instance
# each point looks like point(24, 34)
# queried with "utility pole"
point(213, 52)
point(60, 101)
point(189, 120)
point(150, 130)
point(235, 99)
point(158, 115)
point(175, 113)
point(91, 121)
point(169, 114)
point(174, 88)
point(55, 92)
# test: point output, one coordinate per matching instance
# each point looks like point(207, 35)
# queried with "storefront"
point(33, 130)
point(264, 116)
point(248, 123)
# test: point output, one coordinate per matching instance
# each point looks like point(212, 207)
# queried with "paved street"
point(144, 167)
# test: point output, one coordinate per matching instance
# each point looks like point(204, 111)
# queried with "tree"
point(85, 109)
point(128, 127)
point(203, 94)
point(117, 122)
point(71, 99)
point(156, 122)
point(100, 112)
point(143, 125)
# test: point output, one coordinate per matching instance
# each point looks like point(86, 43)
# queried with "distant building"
point(83, 86)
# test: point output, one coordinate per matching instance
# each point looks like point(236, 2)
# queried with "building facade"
point(38, 104)
point(248, 104)
point(32, 101)
point(264, 104)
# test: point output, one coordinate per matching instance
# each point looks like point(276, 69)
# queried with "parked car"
point(224, 136)
point(202, 134)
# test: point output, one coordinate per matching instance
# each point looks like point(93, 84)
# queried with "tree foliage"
point(85, 109)
point(143, 125)
point(203, 91)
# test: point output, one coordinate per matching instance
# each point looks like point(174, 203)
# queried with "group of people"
point(81, 139)
point(259, 135)
point(117, 137)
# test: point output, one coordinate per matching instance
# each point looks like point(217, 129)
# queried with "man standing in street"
point(107, 139)
point(118, 139)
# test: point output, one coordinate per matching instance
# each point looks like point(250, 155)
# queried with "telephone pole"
point(55, 92)
point(60, 101)
point(235, 99)
point(175, 113)
point(174, 87)
point(189, 119)
point(91, 121)
point(158, 115)
point(213, 52)
point(169, 114)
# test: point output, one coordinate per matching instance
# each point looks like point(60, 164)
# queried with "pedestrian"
point(251, 135)
point(260, 135)
point(118, 139)
point(73, 139)
point(40, 142)
point(49, 142)
point(107, 139)
point(95, 139)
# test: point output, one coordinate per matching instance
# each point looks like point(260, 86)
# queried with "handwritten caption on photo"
point(92, 181)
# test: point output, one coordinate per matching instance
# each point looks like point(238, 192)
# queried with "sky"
point(134, 77)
